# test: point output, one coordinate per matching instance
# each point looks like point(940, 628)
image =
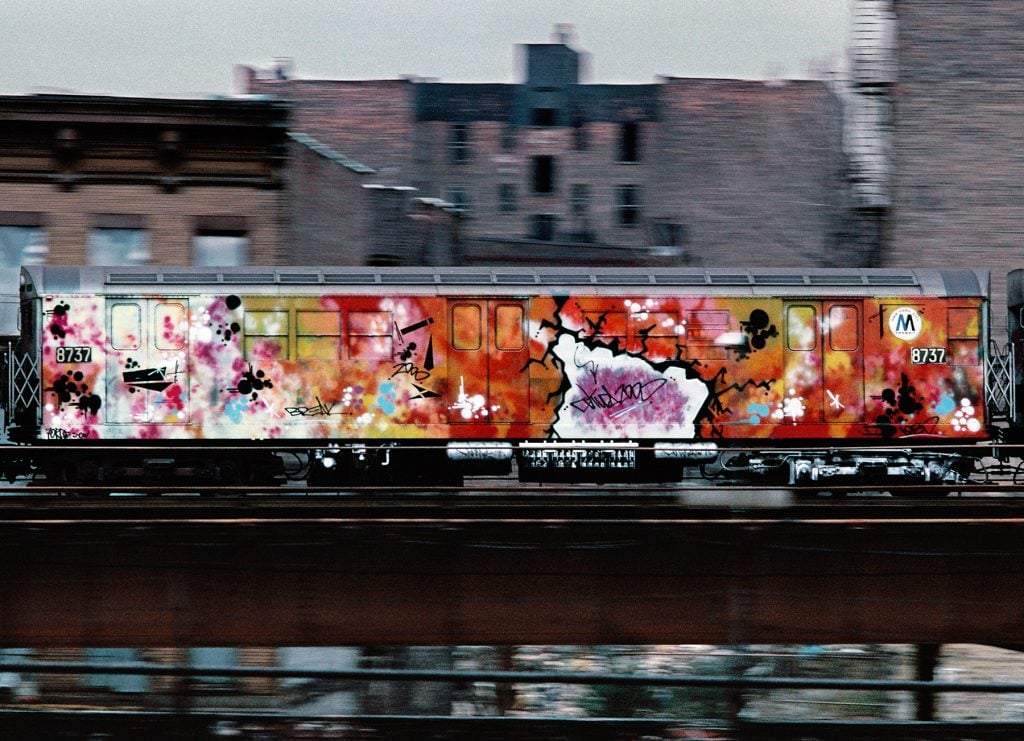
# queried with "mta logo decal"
point(905, 323)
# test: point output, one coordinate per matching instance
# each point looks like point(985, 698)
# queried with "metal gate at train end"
point(488, 382)
point(824, 361)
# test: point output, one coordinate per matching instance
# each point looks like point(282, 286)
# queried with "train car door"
point(487, 356)
point(147, 361)
point(824, 362)
point(843, 369)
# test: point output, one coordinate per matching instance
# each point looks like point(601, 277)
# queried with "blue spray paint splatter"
point(946, 405)
point(235, 408)
point(386, 398)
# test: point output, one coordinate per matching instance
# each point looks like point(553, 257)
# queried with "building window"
point(507, 202)
point(544, 116)
point(118, 246)
point(668, 234)
point(458, 196)
point(508, 138)
point(22, 245)
point(458, 144)
point(580, 135)
point(579, 199)
point(629, 142)
point(544, 175)
point(628, 206)
point(220, 249)
point(542, 227)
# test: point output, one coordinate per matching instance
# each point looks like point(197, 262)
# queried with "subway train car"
point(424, 375)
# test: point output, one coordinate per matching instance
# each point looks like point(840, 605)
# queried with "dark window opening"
point(628, 205)
point(507, 202)
point(579, 201)
point(580, 136)
point(544, 174)
point(543, 227)
point(508, 139)
point(458, 144)
point(668, 234)
point(544, 116)
point(629, 142)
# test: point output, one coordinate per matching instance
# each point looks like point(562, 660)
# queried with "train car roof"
point(508, 281)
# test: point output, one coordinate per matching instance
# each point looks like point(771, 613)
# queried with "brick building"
point(109, 180)
point(556, 169)
point(958, 138)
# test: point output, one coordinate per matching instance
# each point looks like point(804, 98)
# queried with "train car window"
point(964, 328)
point(508, 327)
point(963, 352)
point(662, 331)
point(605, 325)
point(318, 335)
point(466, 330)
point(707, 325)
point(169, 326)
point(369, 335)
point(964, 323)
point(125, 326)
point(266, 335)
point(801, 328)
point(843, 330)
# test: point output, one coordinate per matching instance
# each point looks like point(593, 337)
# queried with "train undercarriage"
point(375, 464)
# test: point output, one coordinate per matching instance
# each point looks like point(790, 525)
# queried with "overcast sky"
point(190, 47)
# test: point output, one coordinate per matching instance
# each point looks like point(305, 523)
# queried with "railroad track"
point(551, 504)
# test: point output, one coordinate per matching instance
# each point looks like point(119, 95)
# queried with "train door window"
point(266, 335)
point(318, 335)
point(843, 330)
point(964, 327)
point(508, 324)
point(170, 326)
point(801, 328)
point(125, 326)
point(466, 329)
point(369, 335)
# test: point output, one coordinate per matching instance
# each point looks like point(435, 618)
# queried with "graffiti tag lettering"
point(59, 433)
point(316, 410)
point(410, 369)
point(638, 393)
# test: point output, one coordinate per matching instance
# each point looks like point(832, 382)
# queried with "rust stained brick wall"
point(170, 217)
point(959, 138)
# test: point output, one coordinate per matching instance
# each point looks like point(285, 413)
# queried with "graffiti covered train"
point(424, 375)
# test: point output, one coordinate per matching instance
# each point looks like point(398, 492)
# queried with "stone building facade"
point(110, 180)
